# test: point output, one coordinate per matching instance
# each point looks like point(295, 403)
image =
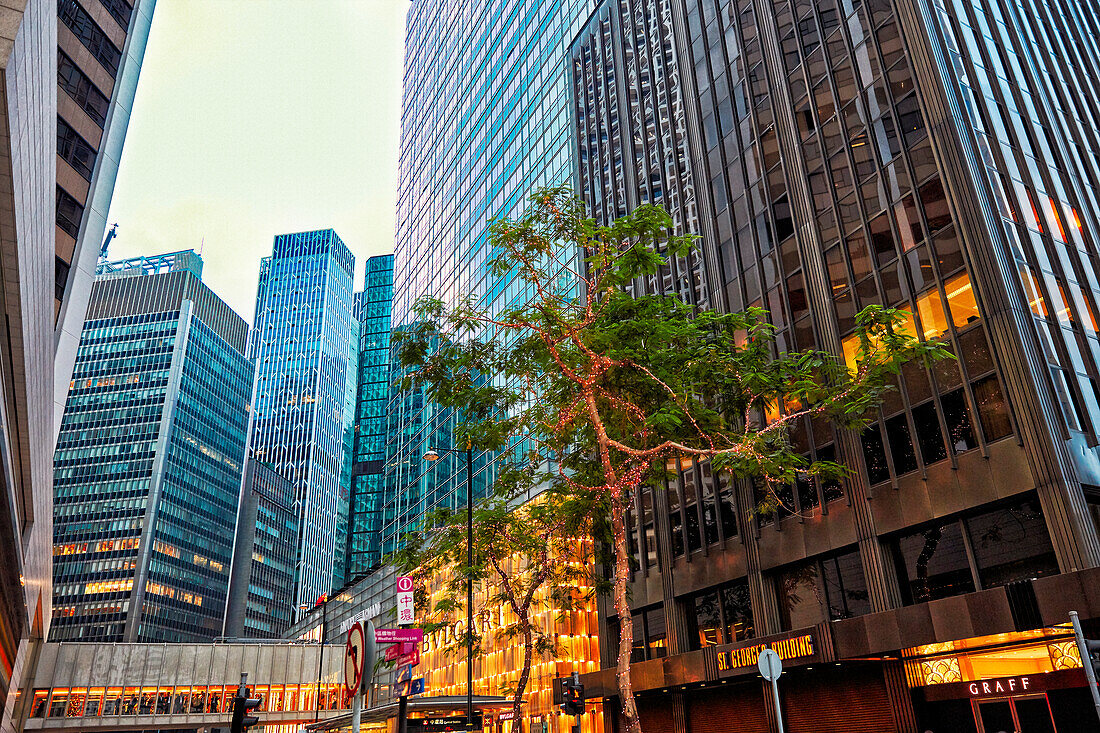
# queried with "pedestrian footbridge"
point(89, 687)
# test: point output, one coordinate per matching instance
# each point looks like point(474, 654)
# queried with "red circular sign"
point(355, 652)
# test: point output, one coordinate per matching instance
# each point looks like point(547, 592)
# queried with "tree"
point(608, 385)
point(529, 556)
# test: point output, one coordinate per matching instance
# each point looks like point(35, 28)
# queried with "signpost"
point(771, 666)
point(399, 636)
point(360, 653)
point(406, 611)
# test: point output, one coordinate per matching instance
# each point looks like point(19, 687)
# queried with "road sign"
point(397, 636)
point(411, 687)
point(355, 655)
point(404, 673)
point(406, 610)
point(411, 659)
point(771, 666)
point(393, 652)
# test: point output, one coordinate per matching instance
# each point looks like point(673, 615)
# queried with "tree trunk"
point(622, 608)
point(525, 674)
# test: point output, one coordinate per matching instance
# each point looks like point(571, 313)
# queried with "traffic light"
point(572, 696)
point(242, 703)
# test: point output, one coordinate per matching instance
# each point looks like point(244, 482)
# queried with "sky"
point(262, 117)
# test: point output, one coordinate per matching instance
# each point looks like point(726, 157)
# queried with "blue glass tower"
point(304, 344)
point(372, 309)
point(486, 120)
point(147, 471)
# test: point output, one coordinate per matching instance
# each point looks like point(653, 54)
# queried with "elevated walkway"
point(88, 686)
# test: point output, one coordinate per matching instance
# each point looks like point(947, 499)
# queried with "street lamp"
point(432, 455)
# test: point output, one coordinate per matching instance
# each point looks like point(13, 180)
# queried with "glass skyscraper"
point(304, 343)
point(147, 471)
point(485, 122)
point(372, 309)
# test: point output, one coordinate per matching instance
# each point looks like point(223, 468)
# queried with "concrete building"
point(100, 47)
point(304, 344)
point(265, 553)
point(147, 472)
point(28, 42)
point(935, 157)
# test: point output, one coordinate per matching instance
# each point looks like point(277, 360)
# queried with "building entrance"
point(1015, 715)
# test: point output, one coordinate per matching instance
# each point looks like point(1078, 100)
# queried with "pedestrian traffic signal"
point(242, 704)
point(572, 697)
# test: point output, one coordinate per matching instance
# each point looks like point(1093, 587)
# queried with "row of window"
point(83, 91)
point(944, 558)
point(75, 150)
point(99, 701)
point(91, 35)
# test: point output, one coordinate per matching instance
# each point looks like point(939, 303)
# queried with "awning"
point(442, 703)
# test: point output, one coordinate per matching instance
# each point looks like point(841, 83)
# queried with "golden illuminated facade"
point(497, 669)
point(990, 657)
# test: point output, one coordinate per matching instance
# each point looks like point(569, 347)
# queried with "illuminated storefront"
point(498, 667)
point(1023, 681)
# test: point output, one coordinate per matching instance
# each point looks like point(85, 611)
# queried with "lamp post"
point(304, 607)
point(433, 455)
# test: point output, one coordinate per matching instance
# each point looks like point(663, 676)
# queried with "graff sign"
point(1002, 686)
point(793, 648)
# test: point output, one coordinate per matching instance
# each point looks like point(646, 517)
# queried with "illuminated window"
point(38, 704)
point(59, 703)
point(961, 300)
point(1084, 306)
point(932, 317)
point(1033, 292)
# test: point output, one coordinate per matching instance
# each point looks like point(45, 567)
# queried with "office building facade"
point(100, 47)
point(368, 496)
point(147, 471)
point(261, 585)
point(939, 157)
point(485, 122)
point(28, 42)
point(304, 344)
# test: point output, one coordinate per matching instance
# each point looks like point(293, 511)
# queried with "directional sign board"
point(771, 666)
point(355, 654)
point(398, 636)
point(406, 611)
point(411, 687)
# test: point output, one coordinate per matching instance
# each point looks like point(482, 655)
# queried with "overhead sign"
point(770, 665)
point(397, 636)
point(355, 654)
point(440, 724)
point(406, 610)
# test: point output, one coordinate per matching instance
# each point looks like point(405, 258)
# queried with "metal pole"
point(321, 656)
point(356, 711)
point(403, 714)
point(778, 710)
point(469, 587)
point(1086, 660)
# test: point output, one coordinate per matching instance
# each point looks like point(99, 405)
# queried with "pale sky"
point(262, 117)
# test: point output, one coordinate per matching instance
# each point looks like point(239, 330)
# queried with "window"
point(75, 150)
point(120, 10)
point(826, 589)
point(69, 213)
point(722, 615)
point(1007, 544)
point(961, 300)
point(649, 634)
point(957, 416)
point(88, 33)
point(932, 564)
point(874, 454)
point(1011, 544)
point(929, 436)
point(901, 445)
point(81, 89)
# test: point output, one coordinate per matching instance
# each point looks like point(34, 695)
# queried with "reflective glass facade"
point(372, 309)
point(148, 464)
point(485, 122)
point(304, 346)
point(265, 553)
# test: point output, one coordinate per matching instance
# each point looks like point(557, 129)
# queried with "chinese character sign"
point(406, 612)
